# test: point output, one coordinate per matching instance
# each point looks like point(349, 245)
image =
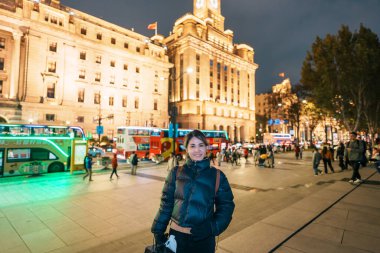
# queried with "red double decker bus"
point(148, 142)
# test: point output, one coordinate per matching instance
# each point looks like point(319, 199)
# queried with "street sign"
point(99, 129)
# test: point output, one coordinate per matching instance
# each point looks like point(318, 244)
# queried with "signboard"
point(99, 129)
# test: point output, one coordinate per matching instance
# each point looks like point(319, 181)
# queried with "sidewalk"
point(339, 218)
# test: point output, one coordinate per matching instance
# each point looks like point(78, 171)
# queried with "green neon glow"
point(43, 139)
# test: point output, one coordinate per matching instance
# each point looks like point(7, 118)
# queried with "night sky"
point(280, 31)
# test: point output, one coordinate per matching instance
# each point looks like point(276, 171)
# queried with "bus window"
point(143, 146)
point(19, 154)
point(39, 154)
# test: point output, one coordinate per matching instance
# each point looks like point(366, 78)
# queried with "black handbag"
point(154, 249)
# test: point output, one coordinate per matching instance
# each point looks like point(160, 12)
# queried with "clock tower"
point(204, 9)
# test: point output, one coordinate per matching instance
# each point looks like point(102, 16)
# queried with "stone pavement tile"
point(313, 204)
point(47, 212)
point(334, 217)
point(285, 249)
point(314, 245)
point(369, 229)
point(51, 241)
point(18, 249)
point(75, 235)
point(28, 225)
point(365, 215)
point(9, 239)
point(257, 238)
point(63, 226)
point(289, 218)
point(74, 213)
point(323, 232)
point(355, 207)
point(16, 213)
point(361, 241)
point(364, 197)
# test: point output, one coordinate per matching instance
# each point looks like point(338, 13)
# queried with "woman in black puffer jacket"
point(188, 199)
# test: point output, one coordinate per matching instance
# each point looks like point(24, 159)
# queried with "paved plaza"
point(285, 209)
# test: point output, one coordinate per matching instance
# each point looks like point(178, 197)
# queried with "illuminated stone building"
point(61, 66)
point(220, 93)
point(273, 107)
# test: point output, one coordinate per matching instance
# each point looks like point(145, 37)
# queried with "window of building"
point(113, 41)
point(211, 85)
point(82, 55)
point(52, 66)
point(125, 82)
point(54, 20)
point(83, 30)
point(97, 98)
point(197, 94)
point(81, 95)
point(124, 101)
point(49, 117)
point(136, 103)
point(53, 47)
point(1, 63)
point(2, 43)
point(198, 69)
point(1, 86)
point(137, 70)
point(80, 119)
point(50, 92)
point(211, 63)
point(198, 109)
point(197, 57)
point(125, 66)
point(197, 80)
point(110, 101)
point(155, 105)
point(82, 74)
point(98, 76)
point(99, 36)
point(112, 63)
point(98, 59)
point(138, 49)
point(126, 45)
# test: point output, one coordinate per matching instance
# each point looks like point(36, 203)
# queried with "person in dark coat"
point(195, 200)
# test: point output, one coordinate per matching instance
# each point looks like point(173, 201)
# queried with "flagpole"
point(155, 30)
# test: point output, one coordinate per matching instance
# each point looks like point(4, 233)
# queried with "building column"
point(15, 66)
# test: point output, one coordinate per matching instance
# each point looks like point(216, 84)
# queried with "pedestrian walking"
point(270, 158)
point(297, 151)
point(354, 153)
point(88, 166)
point(212, 157)
point(172, 162)
point(185, 202)
point(134, 161)
point(114, 166)
point(301, 151)
point(327, 157)
point(340, 156)
point(234, 157)
point(317, 157)
point(219, 158)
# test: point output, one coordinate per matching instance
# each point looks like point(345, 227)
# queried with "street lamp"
point(174, 110)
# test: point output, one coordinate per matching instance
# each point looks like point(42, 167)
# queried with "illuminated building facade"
point(61, 66)
point(220, 93)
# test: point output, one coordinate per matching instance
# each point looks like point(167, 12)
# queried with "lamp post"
point(174, 110)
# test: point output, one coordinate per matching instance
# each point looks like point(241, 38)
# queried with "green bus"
point(27, 149)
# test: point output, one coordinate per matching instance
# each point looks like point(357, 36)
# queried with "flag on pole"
point(152, 26)
point(282, 74)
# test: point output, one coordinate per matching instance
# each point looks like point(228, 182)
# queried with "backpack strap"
point(217, 182)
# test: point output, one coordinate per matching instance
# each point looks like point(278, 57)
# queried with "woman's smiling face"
point(196, 149)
